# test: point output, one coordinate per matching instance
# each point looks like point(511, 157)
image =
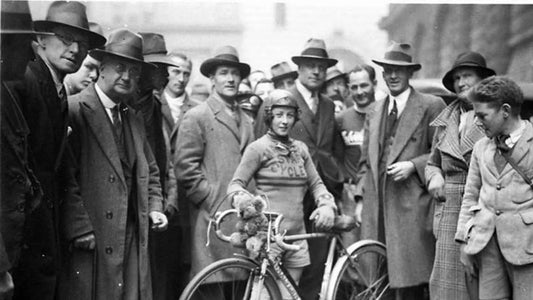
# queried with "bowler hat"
point(16, 18)
point(398, 54)
point(155, 49)
point(249, 101)
point(225, 55)
point(467, 59)
point(281, 71)
point(124, 44)
point(70, 14)
point(333, 73)
point(314, 49)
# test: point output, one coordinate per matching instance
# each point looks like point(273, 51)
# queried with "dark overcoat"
point(99, 274)
point(208, 150)
point(407, 205)
point(450, 158)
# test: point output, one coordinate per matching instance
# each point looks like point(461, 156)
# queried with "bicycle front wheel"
point(364, 276)
point(242, 278)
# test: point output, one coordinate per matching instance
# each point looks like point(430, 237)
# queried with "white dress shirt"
point(175, 104)
point(401, 101)
point(107, 102)
point(307, 95)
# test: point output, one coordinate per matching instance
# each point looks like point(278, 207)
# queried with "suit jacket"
point(168, 121)
point(500, 203)
point(407, 206)
point(208, 150)
point(104, 201)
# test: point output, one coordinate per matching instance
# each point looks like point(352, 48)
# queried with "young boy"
point(495, 224)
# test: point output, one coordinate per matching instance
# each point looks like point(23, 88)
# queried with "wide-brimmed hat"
point(155, 49)
point(124, 44)
point(469, 59)
point(227, 56)
point(333, 73)
point(16, 18)
point(398, 54)
point(249, 101)
point(281, 71)
point(73, 15)
point(314, 49)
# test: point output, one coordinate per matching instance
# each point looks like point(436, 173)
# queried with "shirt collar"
point(306, 93)
point(176, 100)
point(227, 105)
point(401, 100)
point(58, 83)
point(516, 134)
point(106, 101)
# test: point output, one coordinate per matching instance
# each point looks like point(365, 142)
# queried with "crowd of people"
point(110, 170)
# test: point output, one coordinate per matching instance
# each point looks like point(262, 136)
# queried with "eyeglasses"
point(133, 72)
point(68, 40)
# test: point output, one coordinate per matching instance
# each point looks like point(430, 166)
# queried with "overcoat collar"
point(310, 121)
point(374, 140)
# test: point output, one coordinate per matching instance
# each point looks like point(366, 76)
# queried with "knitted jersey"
point(283, 172)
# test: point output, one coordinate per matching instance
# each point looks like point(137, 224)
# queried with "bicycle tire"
point(234, 289)
point(365, 279)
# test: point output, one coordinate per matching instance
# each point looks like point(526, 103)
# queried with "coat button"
point(109, 214)
point(498, 187)
point(111, 178)
point(498, 212)
point(108, 250)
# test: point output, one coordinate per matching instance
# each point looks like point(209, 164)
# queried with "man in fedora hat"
point(318, 130)
point(455, 136)
point(337, 84)
point(44, 105)
point(211, 140)
point(87, 73)
point(283, 76)
point(20, 190)
point(396, 205)
point(118, 181)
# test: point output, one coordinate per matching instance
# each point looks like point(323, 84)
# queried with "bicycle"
point(360, 271)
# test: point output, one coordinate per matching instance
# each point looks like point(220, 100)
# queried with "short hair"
point(364, 67)
point(182, 56)
point(496, 91)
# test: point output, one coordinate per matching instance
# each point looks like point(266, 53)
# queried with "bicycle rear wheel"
point(244, 275)
point(364, 277)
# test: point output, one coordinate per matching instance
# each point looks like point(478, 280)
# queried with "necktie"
point(63, 99)
point(117, 124)
point(501, 150)
point(391, 120)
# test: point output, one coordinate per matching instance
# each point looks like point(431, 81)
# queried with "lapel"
point(474, 134)
point(222, 117)
point(521, 149)
point(187, 104)
point(93, 111)
point(409, 121)
point(324, 115)
point(165, 110)
point(449, 119)
point(374, 124)
point(246, 131)
point(306, 115)
point(134, 122)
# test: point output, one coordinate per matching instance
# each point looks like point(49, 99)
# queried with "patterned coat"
point(450, 157)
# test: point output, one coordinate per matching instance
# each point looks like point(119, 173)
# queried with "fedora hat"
point(469, 59)
point(124, 44)
point(281, 71)
point(155, 49)
point(16, 18)
point(314, 49)
point(398, 54)
point(225, 55)
point(73, 15)
point(334, 72)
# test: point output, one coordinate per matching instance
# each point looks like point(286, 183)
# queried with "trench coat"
point(208, 150)
point(103, 206)
point(407, 205)
point(450, 157)
point(47, 117)
point(499, 203)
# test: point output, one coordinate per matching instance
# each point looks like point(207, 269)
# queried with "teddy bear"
point(252, 225)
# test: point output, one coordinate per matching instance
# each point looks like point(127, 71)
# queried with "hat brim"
point(291, 74)
point(160, 59)
point(447, 80)
point(99, 54)
point(95, 40)
point(336, 76)
point(389, 62)
point(207, 66)
point(298, 59)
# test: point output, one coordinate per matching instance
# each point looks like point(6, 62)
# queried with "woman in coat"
point(446, 172)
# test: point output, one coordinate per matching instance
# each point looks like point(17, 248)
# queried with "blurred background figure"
point(255, 77)
point(283, 76)
point(337, 84)
point(250, 104)
point(263, 88)
point(244, 86)
point(339, 104)
point(88, 72)
point(200, 92)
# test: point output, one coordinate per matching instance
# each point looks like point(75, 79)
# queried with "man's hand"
point(352, 138)
point(359, 213)
point(468, 261)
point(85, 242)
point(436, 187)
point(159, 221)
point(324, 217)
point(401, 170)
point(6, 285)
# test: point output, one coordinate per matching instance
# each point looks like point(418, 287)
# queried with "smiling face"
point(312, 73)
point(225, 81)
point(361, 88)
point(64, 51)
point(283, 119)
point(118, 77)
point(397, 78)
